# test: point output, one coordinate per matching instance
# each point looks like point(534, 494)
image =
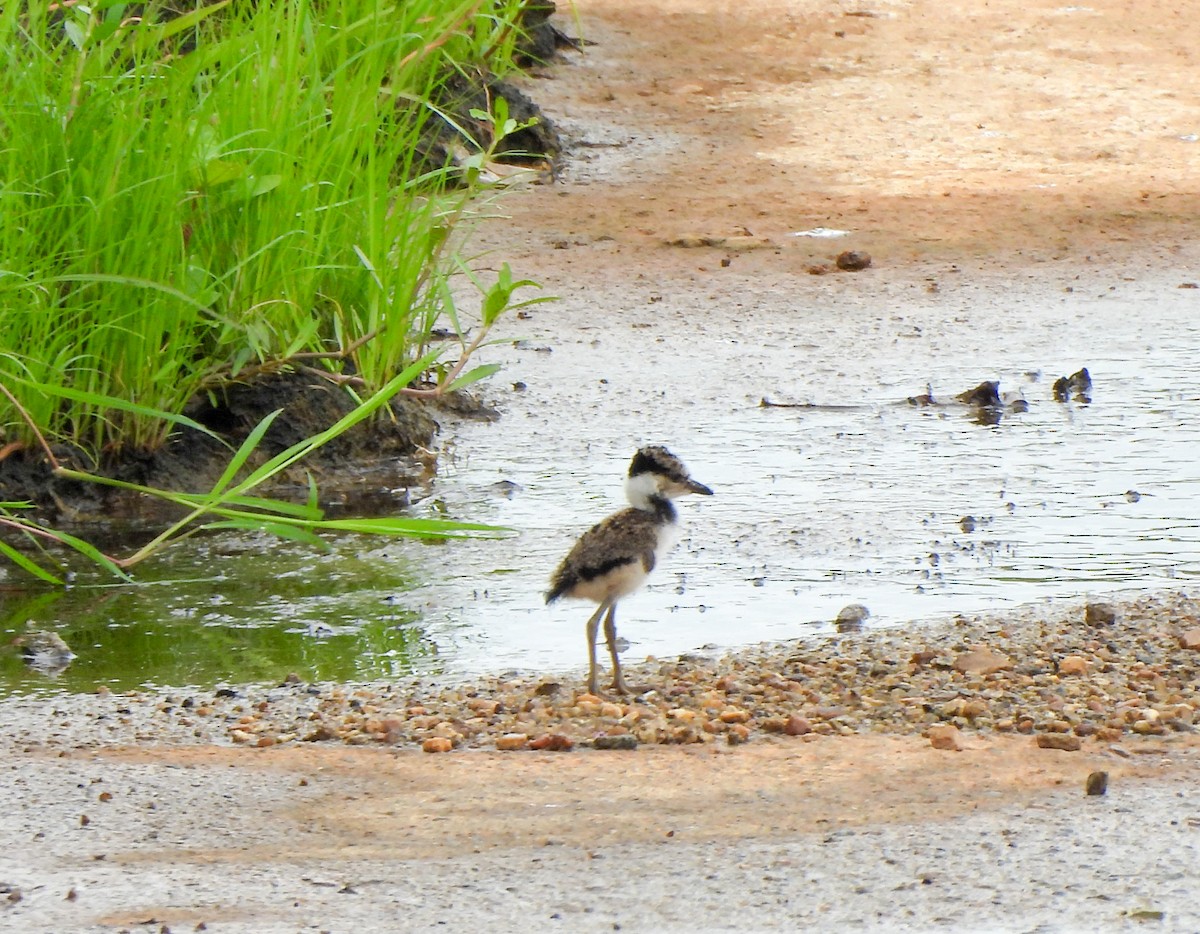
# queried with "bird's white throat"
point(639, 489)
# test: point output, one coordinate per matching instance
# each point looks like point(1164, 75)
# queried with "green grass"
point(187, 201)
point(211, 194)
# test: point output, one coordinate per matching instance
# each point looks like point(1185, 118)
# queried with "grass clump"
point(188, 199)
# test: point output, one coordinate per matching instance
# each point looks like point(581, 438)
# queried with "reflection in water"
point(275, 609)
point(854, 496)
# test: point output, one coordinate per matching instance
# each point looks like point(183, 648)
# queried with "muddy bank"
point(382, 453)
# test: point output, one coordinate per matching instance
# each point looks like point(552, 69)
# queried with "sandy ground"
point(1005, 138)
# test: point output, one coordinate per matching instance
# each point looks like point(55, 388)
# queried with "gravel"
point(1053, 674)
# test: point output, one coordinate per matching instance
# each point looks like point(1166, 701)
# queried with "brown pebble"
point(1073, 665)
point(625, 741)
point(1190, 640)
point(734, 715)
point(1100, 614)
point(1064, 741)
point(945, 736)
point(1097, 783)
point(981, 661)
point(737, 734)
point(552, 742)
point(853, 260)
point(510, 741)
point(437, 744)
point(797, 726)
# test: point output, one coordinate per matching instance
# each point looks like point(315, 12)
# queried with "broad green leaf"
point(92, 553)
point(23, 561)
point(279, 530)
point(474, 376)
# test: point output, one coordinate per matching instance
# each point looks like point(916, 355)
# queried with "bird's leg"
point(610, 636)
point(593, 629)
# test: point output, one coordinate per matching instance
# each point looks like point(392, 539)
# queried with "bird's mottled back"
point(626, 538)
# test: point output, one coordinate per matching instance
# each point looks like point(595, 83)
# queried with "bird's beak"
point(694, 487)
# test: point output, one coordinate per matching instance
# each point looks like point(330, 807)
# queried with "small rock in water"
point(1100, 614)
point(45, 651)
point(850, 618)
point(1097, 783)
point(1078, 386)
point(986, 394)
point(924, 399)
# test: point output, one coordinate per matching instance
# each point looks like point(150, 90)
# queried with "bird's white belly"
point(617, 583)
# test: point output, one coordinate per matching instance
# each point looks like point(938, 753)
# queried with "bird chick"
point(613, 559)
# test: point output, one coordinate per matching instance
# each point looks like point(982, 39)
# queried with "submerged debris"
point(45, 651)
point(1077, 387)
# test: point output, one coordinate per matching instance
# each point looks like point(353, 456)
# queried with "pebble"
point(853, 260)
point(625, 741)
point(552, 742)
point(945, 736)
point(1064, 741)
point(1096, 784)
point(1100, 614)
point(1036, 672)
point(1190, 640)
point(982, 660)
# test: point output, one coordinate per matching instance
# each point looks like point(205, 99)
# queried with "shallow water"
point(853, 497)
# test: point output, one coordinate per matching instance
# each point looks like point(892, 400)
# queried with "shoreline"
point(1036, 671)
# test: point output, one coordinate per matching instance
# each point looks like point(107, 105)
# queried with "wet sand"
point(1001, 142)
